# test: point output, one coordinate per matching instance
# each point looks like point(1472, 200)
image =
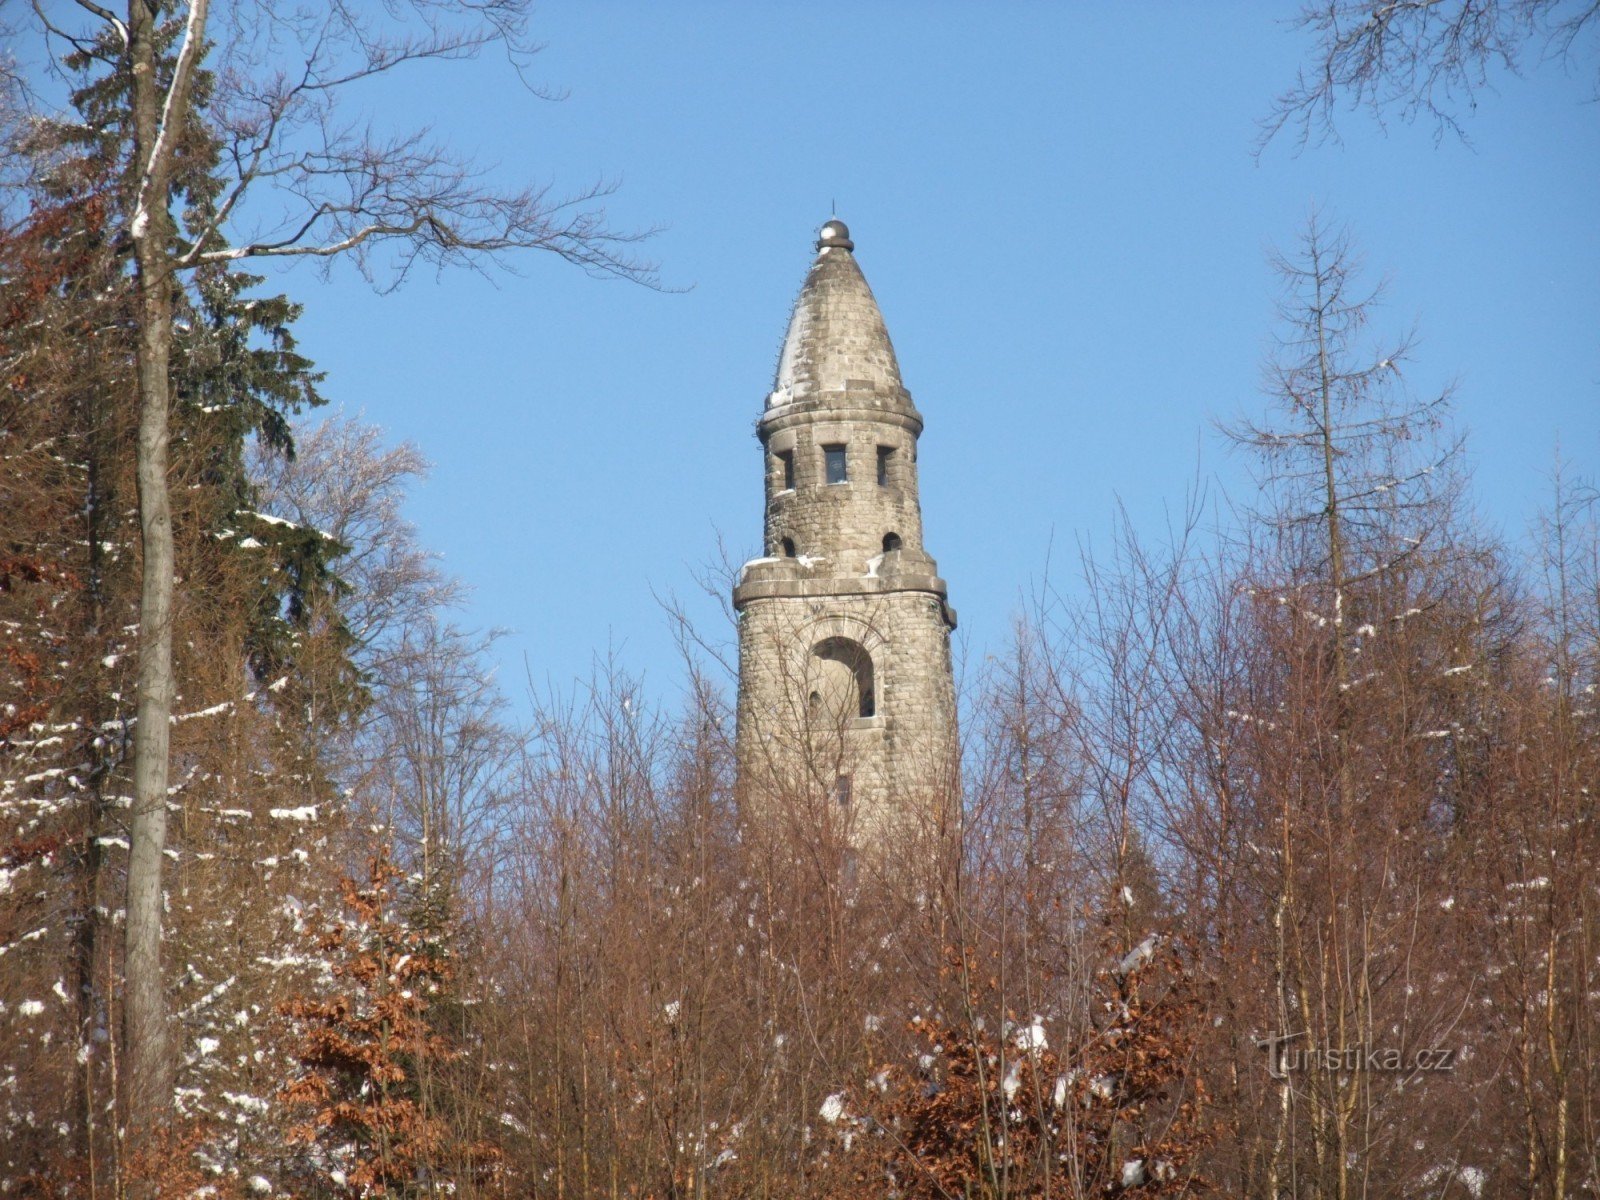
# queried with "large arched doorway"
point(842, 680)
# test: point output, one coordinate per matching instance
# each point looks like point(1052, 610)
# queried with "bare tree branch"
point(1418, 58)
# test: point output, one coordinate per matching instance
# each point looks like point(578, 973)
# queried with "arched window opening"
point(891, 541)
point(788, 547)
point(845, 686)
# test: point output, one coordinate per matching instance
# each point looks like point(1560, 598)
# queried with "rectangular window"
point(786, 459)
point(841, 791)
point(833, 460)
point(885, 453)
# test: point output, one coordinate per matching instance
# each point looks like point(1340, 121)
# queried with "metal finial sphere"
point(835, 233)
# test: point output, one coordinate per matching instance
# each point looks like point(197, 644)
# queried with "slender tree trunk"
point(157, 111)
point(1334, 1129)
point(145, 1016)
point(148, 1062)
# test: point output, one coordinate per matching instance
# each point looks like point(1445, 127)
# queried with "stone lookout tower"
point(846, 701)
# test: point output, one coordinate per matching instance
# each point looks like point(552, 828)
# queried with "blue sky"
point(1058, 208)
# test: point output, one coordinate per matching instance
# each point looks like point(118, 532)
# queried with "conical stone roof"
point(837, 341)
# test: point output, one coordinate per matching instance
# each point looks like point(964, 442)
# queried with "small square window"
point(885, 453)
point(786, 461)
point(834, 466)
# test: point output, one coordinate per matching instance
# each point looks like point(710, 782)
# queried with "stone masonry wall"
point(899, 760)
point(847, 519)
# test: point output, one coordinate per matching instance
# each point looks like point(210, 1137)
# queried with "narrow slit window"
point(885, 453)
point(841, 791)
point(786, 462)
point(835, 468)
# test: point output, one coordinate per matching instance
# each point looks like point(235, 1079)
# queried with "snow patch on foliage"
point(1031, 1037)
point(1139, 955)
